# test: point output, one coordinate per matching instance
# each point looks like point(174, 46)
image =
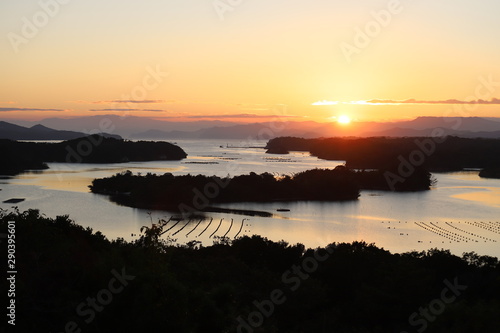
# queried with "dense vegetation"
point(433, 154)
point(63, 269)
point(15, 160)
point(169, 192)
point(490, 173)
point(20, 156)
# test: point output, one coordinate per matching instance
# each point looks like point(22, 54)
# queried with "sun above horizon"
point(343, 119)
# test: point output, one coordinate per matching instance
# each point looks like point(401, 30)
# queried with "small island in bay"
point(170, 192)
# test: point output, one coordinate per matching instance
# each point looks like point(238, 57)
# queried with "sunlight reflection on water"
point(385, 218)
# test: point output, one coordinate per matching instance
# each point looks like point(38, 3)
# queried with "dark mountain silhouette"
point(256, 131)
point(409, 132)
point(423, 126)
point(458, 123)
point(40, 132)
point(134, 127)
point(124, 125)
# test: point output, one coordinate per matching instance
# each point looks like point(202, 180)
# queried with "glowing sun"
point(344, 119)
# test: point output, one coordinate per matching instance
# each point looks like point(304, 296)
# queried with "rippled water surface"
point(462, 213)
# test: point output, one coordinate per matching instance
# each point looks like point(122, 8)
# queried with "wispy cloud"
point(239, 116)
point(121, 110)
point(255, 109)
point(144, 101)
point(234, 116)
point(325, 102)
point(448, 101)
point(127, 101)
point(29, 109)
point(260, 107)
point(494, 101)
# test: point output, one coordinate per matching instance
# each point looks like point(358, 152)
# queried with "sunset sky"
point(189, 59)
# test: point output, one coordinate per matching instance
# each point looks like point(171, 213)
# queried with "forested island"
point(432, 153)
point(20, 156)
point(170, 192)
point(71, 278)
point(490, 173)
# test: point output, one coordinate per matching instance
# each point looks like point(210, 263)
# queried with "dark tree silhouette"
point(355, 287)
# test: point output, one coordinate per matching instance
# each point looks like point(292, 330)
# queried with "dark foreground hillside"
point(71, 279)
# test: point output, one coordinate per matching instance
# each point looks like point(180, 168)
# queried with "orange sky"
point(190, 59)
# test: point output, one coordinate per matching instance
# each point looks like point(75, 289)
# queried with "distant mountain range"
point(133, 127)
point(239, 132)
point(409, 132)
point(124, 126)
point(40, 132)
point(472, 127)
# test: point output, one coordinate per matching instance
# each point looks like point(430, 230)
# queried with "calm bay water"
point(462, 213)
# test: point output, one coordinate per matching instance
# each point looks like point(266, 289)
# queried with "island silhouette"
point(20, 156)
